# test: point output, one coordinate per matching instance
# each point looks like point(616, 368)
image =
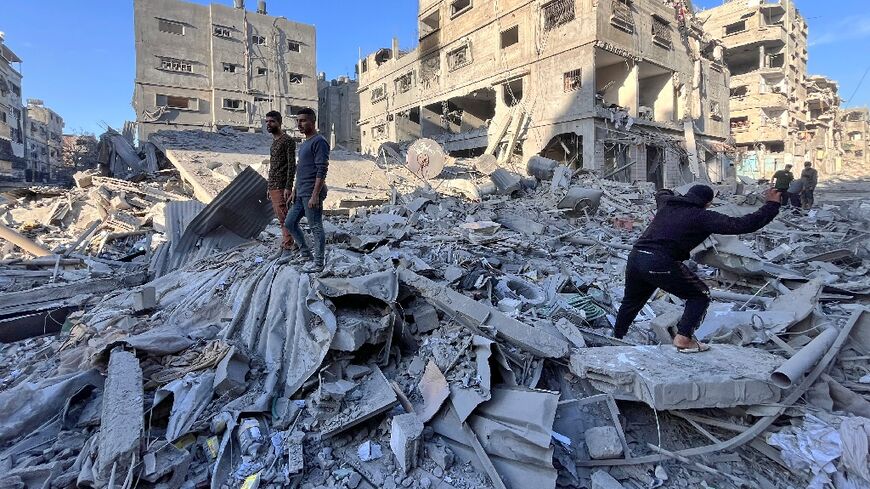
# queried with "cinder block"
point(405, 439)
point(144, 299)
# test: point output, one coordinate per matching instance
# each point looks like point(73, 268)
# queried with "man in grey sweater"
point(309, 192)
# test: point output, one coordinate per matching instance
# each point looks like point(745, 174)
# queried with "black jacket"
point(682, 223)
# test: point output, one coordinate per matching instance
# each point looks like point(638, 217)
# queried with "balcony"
point(767, 35)
point(756, 134)
point(760, 100)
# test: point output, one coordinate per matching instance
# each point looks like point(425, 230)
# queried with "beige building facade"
point(766, 53)
point(338, 115)
point(12, 163)
point(213, 66)
point(44, 129)
point(611, 85)
point(856, 140)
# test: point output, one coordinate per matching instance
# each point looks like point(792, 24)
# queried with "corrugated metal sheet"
point(242, 208)
point(178, 215)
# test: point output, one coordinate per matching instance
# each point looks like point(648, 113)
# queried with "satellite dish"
point(426, 158)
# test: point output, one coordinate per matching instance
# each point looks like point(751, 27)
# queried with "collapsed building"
point(212, 66)
point(152, 338)
point(634, 89)
point(766, 54)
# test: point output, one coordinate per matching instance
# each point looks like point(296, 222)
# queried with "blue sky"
point(79, 55)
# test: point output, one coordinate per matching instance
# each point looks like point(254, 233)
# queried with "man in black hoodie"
point(655, 262)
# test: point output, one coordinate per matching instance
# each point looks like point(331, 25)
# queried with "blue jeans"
point(315, 223)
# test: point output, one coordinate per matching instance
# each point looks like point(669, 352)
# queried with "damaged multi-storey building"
point(44, 128)
point(631, 88)
point(339, 111)
point(822, 137)
point(213, 66)
point(12, 163)
point(766, 53)
point(856, 133)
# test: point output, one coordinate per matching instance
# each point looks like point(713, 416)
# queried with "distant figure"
point(310, 191)
point(781, 180)
point(282, 171)
point(810, 176)
point(681, 223)
point(795, 189)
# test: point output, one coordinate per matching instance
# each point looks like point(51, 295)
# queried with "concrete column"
point(761, 56)
point(587, 132)
point(629, 93)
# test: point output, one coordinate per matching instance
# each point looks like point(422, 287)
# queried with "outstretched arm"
point(717, 223)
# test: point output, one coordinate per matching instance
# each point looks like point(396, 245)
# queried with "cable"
point(860, 82)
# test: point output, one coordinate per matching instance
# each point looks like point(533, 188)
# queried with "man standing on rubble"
point(655, 262)
point(309, 192)
point(810, 176)
point(781, 180)
point(282, 171)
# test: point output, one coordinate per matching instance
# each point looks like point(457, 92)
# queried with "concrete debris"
point(603, 442)
point(406, 434)
point(122, 420)
point(459, 335)
point(603, 480)
point(666, 379)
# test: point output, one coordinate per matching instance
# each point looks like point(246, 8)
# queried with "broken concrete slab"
point(476, 315)
point(168, 459)
point(434, 389)
point(603, 480)
point(665, 379)
point(514, 429)
point(406, 433)
point(376, 396)
point(122, 421)
point(229, 377)
point(603, 442)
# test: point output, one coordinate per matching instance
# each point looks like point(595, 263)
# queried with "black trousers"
point(646, 272)
point(795, 199)
point(784, 198)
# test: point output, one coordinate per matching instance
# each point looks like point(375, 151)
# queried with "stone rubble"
point(440, 348)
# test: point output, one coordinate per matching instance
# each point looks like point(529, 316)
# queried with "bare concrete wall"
point(236, 64)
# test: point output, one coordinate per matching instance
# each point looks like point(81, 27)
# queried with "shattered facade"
point(856, 134)
point(633, 89)
point(339, 112)
point(12, 162)
point(207, 67)
point(766, 53)
point(44, 129)
point(823, 135)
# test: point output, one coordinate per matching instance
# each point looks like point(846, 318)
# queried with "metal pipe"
point(794, 368)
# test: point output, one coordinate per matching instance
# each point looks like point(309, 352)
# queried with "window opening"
point(510, 36)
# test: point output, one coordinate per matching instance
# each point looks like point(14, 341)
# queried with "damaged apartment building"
point(856, 133)
point(44, 129)
point(12, 162)
point(631, 88)
point(766, 53)
point(339, 111)
point(212, 66)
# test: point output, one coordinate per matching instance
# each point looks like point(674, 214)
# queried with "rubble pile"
point(459, 337)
